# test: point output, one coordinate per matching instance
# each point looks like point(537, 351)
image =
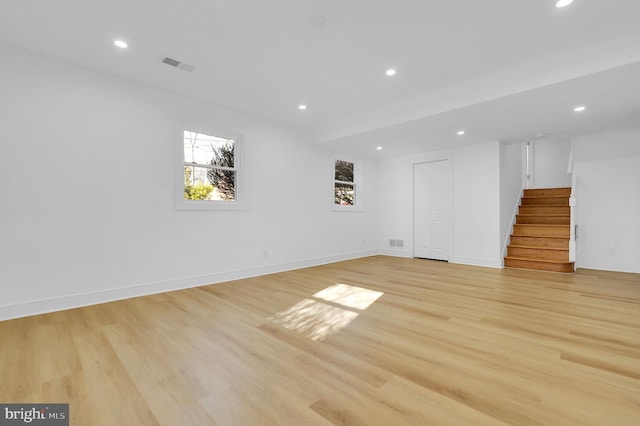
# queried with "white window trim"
point(241, 202)
point(357, 185)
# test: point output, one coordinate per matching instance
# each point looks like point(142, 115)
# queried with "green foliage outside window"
point(197, 191)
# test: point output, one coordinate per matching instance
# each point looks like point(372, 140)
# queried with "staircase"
point(540, 238)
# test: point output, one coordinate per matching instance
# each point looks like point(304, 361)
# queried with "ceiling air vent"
point(174, 63)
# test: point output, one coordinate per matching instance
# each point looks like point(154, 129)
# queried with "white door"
point(431, 212)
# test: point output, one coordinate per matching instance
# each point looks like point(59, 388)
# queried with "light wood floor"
point(374, 341)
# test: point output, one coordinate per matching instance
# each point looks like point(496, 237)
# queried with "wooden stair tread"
point(538, 247)
point(547, 200)
point(543, 214)
point(546, 205)
point(538, 225)
point(530, 259)
point(543, 219)
point(542, 236)
point(555, 188)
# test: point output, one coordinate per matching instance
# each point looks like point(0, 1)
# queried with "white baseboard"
point(395, 252)
point(71, 301)
point(608, 266)
point(488, 263)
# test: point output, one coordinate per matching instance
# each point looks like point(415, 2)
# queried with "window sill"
point(211, 205)
point(347, 209)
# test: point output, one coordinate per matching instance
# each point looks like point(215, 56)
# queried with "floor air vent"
point(396, 243)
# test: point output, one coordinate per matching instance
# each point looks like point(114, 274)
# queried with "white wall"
point(511, 185)
point(619, 143)
point(395, 205)
point(607, 171)
point(475, 205)
point(550, 160)
point(87, 182)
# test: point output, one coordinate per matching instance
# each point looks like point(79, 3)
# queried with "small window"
point(209, 176)
point(209, 167)
point(344, 184)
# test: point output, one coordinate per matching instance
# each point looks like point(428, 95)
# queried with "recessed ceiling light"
point(302, 107)
point(563, 3)
point(460, 132)
point(580, 108)
point(379, 148)
point(390, 72)
point(121, 44)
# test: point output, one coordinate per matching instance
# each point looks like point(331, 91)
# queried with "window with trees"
point(344, 183)
point(210, 163)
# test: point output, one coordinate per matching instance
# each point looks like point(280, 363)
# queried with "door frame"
point(431, 158)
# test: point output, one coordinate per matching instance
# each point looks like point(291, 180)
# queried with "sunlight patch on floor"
point(322, 315)
point(348, 295)
point(316, 320)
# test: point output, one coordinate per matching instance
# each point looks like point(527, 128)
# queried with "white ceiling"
point(500, 69)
